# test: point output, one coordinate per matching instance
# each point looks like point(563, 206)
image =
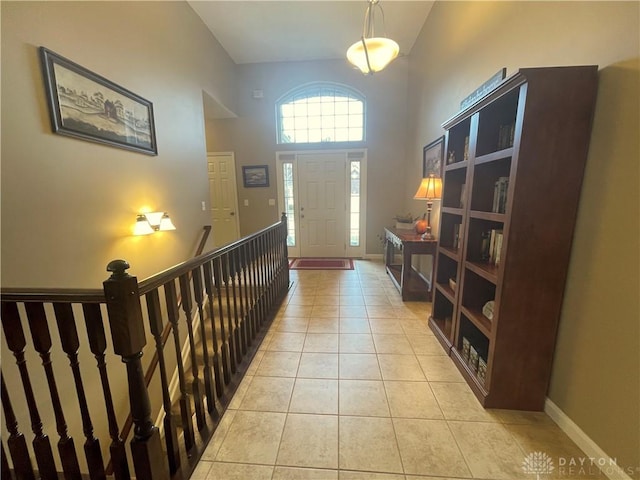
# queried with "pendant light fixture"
point(372, 54)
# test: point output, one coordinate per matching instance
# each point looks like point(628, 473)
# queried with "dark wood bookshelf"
point(486, 270)
point(525, 145)
point(478, 319)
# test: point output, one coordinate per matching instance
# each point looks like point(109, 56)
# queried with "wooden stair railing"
point(236, 289)
point(160, 342)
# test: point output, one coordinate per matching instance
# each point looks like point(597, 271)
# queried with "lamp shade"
point(430, 188)
point(379, 50)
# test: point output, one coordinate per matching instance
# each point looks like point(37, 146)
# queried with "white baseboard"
point(585, 443)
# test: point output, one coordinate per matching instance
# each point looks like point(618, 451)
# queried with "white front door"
point(223, 198)
point(322, 204)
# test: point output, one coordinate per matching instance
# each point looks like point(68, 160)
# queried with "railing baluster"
point(222, 281)
point(16, 441)
point(98, 346)
point(170, 432)
point(234, 333)
point(196, 390)
point(70, 345)
point(5, 472)
point(42, 343)
point(245, 293)
point(16, 342)
point(127, 332)
point(256, 281)
point(263, 277)
point(269, 240)
point(171, 298)
point(237, 302)
point(198, 292)
point(274, 265)
point(252, 288)
point(208, 282)
point(227, 347)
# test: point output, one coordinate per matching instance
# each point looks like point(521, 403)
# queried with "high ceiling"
point(295, 30)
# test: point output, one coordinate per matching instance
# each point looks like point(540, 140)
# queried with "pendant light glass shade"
point(371, 54)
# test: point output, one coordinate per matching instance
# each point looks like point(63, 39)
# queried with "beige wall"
point(596, 371)
point(253, 135)
point(68, 205)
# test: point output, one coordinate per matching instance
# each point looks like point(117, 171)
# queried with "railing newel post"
point(127, 332)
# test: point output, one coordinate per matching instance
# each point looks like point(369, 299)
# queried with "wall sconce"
point(430, 189)
point(151, 222)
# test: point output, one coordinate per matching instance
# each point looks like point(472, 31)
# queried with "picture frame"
point(255, 176)
point(432, 157)
point(85, 105)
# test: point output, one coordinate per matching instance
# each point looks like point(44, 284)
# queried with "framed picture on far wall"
point(432, 156)
point(255, 176)
point(85, 105)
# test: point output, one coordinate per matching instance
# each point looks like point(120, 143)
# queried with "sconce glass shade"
point(166, 223)
point(142, 226)
point(430, 188)
point(154, 219)
point(152, 222)
point(379, 50)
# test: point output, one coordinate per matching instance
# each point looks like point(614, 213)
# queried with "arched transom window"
point(319, 113)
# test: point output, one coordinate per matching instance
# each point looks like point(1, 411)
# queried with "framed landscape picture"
point(85, 105)
point(255, 176)
point(432, 156)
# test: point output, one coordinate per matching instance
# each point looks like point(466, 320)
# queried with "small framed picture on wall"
point(255, 176)
point(432, 156)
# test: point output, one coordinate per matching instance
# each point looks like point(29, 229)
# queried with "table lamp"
point(430, 189)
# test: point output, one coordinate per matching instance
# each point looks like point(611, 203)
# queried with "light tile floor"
point(350, 384)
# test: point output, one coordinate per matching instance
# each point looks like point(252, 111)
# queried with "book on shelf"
point(500, 195)
point(463, 194)
point(465, 155)
point(491, 246)
point(498, 248)
point(465, 348)
point(482, 370)
point(506, 135)
point(457, 236)
point(473, 359)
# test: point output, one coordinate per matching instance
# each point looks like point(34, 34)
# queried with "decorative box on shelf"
point(487, 310)
point(404, 226)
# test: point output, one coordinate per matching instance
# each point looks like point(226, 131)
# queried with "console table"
point(411, 283)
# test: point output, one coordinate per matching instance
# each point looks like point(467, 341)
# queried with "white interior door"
point(223, 198)
point(322, 207)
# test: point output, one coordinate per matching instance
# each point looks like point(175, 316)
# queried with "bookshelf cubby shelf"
point(516, 159)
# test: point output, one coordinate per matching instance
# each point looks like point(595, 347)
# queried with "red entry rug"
point(321, 264)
